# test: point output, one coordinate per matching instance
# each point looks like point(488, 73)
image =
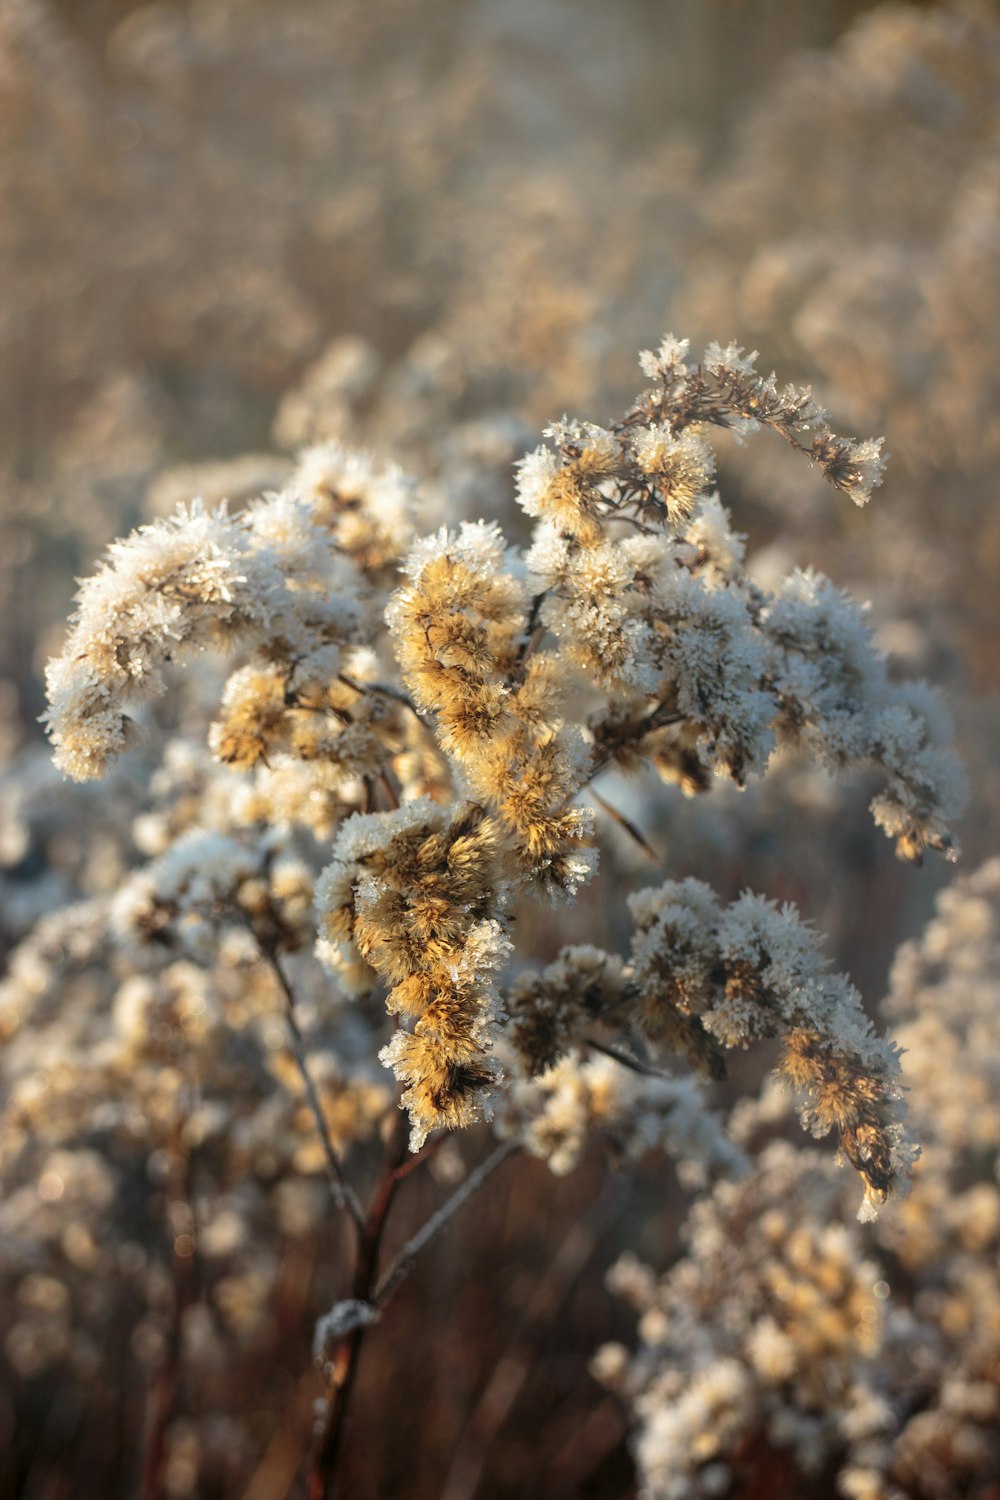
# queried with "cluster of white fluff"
point(871, 1355)
point(374, 502)
point(286, 580)
point(775, 982)
point(843, 706)
point(558, 1114)
point(592, 605)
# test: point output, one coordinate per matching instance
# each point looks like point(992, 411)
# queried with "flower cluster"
point(154, 1128)
point(783, 1338)
point(373, 740)
point(416, 894)
point(702, 979)
point(628, 632)
point(287, 581)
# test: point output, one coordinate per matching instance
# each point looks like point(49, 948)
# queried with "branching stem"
point(344, 1371)
point(437, 1223)
point(367, 1287)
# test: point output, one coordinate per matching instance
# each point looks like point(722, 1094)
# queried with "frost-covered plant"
point(445, 732)
point(627, 632)
point(785, 1343)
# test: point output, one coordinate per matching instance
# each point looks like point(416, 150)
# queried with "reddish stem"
point(323, 1476)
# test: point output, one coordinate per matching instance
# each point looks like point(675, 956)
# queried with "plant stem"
point(437, 1223)
point(323, 1476)
point(369, 1288)
point(627, 1060)
point(343, 1194)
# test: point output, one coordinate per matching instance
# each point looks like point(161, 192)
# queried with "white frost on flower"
point(548, 559)
point(535, 472)
point(576, 869)
point(479, 546)
point(169, 589)
point(680, 465)
point(269, 580)
point(368, 498)
point(713, 660)
point(731, 360)
point(845, 709)
point(591, 608)
point(668, 361)
point(363, 833)
point(753, 970)
point(765, 1329)
point(721, 550)
point(189, 889)
point(558, 1111)
point(866, 469)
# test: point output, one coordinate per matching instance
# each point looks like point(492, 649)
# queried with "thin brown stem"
point(626, 1060)
point(367, 1288)
point(343, 1374)
point(416, 1162)
point(657, 717)
point(343, 1194)
point(534, 633)
point(438, 1222)
point(633, 831)
point(390, 786)
point(383, 690)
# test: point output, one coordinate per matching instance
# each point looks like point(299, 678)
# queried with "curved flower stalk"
point(170, 588)
point(642, 582)
point(702, 979)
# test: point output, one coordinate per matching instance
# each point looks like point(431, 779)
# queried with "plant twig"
point(343, 1373)
point(630, 828)
point(343, 1194)
point(416, 1162)
point(383, 690)
point(438, 1222)
point(626, 1059)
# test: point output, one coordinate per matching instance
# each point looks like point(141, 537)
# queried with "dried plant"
point(374, 747)
point(783, 1342)
point(446, 732)
point(627, 632)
